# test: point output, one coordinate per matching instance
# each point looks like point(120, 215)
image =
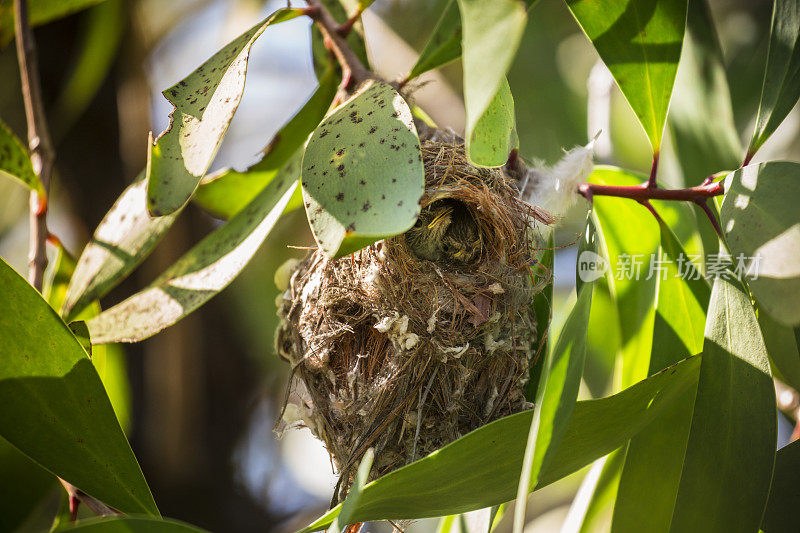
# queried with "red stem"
point(651, 181)
point(645, 192)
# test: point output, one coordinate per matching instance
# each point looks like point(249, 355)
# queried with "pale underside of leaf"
point(205, 102)
point(198, 276)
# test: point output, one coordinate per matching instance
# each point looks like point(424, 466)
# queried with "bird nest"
point(416, 340)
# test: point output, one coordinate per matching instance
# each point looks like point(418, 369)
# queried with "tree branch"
point(39, 143)
point(42, 159)
point(354, 73)
point(646, 192)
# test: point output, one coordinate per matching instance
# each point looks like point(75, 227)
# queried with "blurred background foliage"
point(206, 393)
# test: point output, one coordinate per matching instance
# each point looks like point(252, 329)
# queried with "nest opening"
point(412, 342)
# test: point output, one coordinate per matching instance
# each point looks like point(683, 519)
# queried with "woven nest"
point(404, 354)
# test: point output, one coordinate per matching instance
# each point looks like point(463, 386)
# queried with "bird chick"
point(445, 232)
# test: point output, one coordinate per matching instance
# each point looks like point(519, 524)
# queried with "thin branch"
point(42, 159)
point(644, 193)
point(39, 143)
point(354, 73)
point(345, 28)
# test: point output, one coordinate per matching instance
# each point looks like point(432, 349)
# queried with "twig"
point(354, 73)
point(644, 193)
point(39, 143)
point(42, 159)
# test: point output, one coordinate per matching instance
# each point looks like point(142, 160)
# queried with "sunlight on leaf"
point(731, 449)
point(492, 31)
point(123, 239)
point(15, 162)
point(640, 43)
point(482, 468)
point(362, 171)
point(205, 102)
point(196, 277)
point(781, 86)
point(761, 221)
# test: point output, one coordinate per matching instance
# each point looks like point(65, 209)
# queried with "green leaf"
point(351, 502)
point(31, 484)
point(362, 171)
point(731, 450)
point(492, 32)
point(604, 486)
point(15, 162)
point(133, 524)
point(558, 389)
point(701, 115)
point(781, 343)
point(196, 277)
point(55, 409)
point(543, 311)
point(658, 452)
point(482, 468)
point(444, 44)
point(781, 86)
point(205, 102)
point(122, 240)
point(640, 43)
point(784, 498)
point(492, 138)
point(39, 12)
point(227, 192)
point(629, 256)
point(108, 359)
point(761, 222)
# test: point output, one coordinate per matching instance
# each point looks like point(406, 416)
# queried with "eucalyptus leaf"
point(558, 389)
point(492, 31)
point(482, 468)
point(362, 172)
point(196, 277)
point(781, 86)
point(761, 222)
point(640, 43)
point(543, 311)
point(31, 484)
point(701, 114)
point(228, 191)
point(781, 343)
point(205, 102)
point(350, 503)
point(784, 498)
point(55, 409)
point(108, 359)
point(731, 450)
point(444, 44)
point(123, 239)
point(682, 298)
point(492, 138)
point(15, 162)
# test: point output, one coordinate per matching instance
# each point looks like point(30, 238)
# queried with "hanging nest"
point(414, 341)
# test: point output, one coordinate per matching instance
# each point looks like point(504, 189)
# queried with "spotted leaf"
point(362, 172)
point(205, 102)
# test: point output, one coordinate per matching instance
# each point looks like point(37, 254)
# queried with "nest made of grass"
point(403, 354)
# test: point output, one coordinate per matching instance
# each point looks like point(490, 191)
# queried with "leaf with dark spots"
point(14, 160)
point(196, 277)
point(347, 223)
point(204, 107)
